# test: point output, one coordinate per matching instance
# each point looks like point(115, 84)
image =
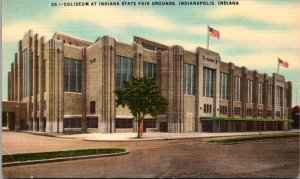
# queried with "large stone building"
point(68, 84)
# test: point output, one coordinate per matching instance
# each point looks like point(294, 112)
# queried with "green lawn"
point(58, 154)
point(251, 138)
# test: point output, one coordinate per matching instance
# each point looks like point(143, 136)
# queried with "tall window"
point(123, 70)
point(250, 87)
point(270, 94)
point(92, 107)
point(279, 97)
point(224, 78)
point(260, 93)
point(26, 73)
point(208, 81)
point(72, 75)
point(150, 70)
point(189, 79)
point(237, 92)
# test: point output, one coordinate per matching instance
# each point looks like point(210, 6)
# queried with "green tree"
point(142, 96)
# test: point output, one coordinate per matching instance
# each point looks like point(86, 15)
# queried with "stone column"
point(35, 81)
point(40, 84)
point(231, 86)
point(20, 72)
point(255, 92)
point(175, 89)
point(138, 67)
point(16, 77)
point(108, 96)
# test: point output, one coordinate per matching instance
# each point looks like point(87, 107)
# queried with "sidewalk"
point(162, 135)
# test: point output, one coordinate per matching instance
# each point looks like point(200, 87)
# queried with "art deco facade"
point(68, 84)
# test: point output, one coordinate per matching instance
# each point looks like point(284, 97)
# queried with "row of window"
point(223, 109)
point(92, 122)
point(124, 71)
point(207, 108)
point(249, 111)
point(73, 75)
point(237, 111)
point(128, 123)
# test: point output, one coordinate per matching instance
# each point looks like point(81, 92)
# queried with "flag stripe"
point(213, 32)
point(283, 63)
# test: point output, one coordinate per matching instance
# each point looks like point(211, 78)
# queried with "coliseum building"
point(67, 84)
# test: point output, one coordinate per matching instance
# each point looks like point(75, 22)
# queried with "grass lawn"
point(59, 154)
point(252, 138)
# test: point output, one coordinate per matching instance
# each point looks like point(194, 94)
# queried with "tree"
point(142, 96)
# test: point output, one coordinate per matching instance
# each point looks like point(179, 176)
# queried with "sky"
point(252, 34)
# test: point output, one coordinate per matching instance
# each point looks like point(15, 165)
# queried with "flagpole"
point(207, 37)
point(278, 66)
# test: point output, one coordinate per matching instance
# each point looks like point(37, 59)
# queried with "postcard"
point(150, 88)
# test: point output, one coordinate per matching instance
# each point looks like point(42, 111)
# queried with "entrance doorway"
point(8, 120)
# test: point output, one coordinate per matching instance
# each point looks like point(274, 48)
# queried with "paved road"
point(171, 158)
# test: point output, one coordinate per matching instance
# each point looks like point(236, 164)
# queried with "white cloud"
point(285, 14)
point(263, 60)
point(13, 32)
point(114, 18)
point(243, 36)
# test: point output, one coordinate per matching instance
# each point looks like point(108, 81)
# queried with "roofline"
point(70, 36)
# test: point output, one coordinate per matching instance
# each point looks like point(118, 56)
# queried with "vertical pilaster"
point(265, 96)
point(84, 110)
point(231, 86)
point(35, 82)
point(137, 60)
point(108, 96)
point(244, 91)
point(198, 93)
point(20, 72)
point(9, 86)
point(12, 81)
point(137, 69)
point(255, 92)
point(50, 125)
point(16, 77)
point(175, 89)
point(217, 83)
point(274, 89)
point(40, 84)
point(29, 37)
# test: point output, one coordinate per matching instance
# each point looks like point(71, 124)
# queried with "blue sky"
point(253, 34)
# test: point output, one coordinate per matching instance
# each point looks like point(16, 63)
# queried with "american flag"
point(213, 32)
point(283, 63)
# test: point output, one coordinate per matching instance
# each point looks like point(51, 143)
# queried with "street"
point(161, 158)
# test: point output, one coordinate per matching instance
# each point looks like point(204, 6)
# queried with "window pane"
point(118, 72)
point(129, 71)
point(66, 75)
point(192, 80)
point(72, 75)
point(79, 75)
point(123, 70)
point(185, 78)
point(189, 79)
point(150, 70)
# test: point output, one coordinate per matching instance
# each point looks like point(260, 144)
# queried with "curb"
point(252, 141)
point(179, 138)
point(62, 159)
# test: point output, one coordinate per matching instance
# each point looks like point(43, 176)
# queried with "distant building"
point(68, 84)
